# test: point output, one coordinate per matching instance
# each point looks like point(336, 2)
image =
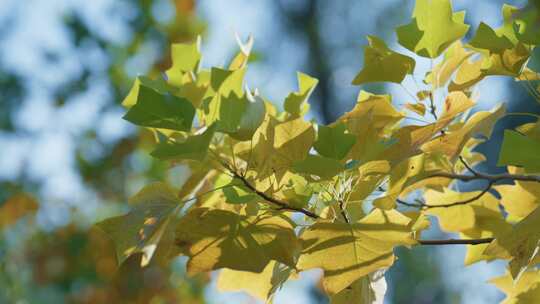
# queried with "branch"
point(343, 212)
point(455, 242)
point(281, 204)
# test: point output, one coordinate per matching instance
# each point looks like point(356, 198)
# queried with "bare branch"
point(455, 242)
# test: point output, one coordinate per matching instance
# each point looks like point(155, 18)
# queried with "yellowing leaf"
point(185, 58)
point(346, 252)
point(296, 103)
point(262, 285)
point(418, 108)
point(519, 292)
point(453, 58)
point(382, 64)
point(520, 199)
point(216, 239)
point(369, 289)
point(433, 28)
point(521, 246)
point(142, 229)
point(367, 121)
point(453, 142)
point(15, 208)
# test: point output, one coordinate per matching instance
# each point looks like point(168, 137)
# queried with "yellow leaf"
point(216, 239)
point(262, 285)
point(347, 252)
point(369, 289)
point(521, 245)
point(453, 58)
point(418, 108)
point(520, 291)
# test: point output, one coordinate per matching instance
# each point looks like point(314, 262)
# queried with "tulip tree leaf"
point(332, 141)
point(195, 147)
point(216, 239)
point(142, 229)
point(323, 167)
point(156, 110)
point(433, 28)
point(487, 38)
point(382, 64)
point(362, 247)
point(520, 150)
point(296, 103)
point(521, 245)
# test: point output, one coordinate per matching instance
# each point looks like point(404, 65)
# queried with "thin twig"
point(343, 212)
point(456, 242)
point(281, 204)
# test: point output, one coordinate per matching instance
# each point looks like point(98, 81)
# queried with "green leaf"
point(142, 229)
point(156, 110)
point(486, 38)
point(370, 289)
point(332, 141)
point(323, 167)
point(237, 194)
point(520, 150)
point(195, 147)
point(526, 25)
point(252, 118)
point(296, 103)
point(382, 64)
point(231, 110)
point(433, 28)
point(216, 239)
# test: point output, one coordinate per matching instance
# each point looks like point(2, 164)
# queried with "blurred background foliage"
point(65, 66)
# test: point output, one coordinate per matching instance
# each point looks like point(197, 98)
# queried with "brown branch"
point(342, 210)
point(455, 242)
point(281, 204)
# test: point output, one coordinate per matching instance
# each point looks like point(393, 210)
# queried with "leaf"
point(526, 25)
point(16, 207)
point(321, 166)
point(296, 103)
point(433, 28)
point(185, 58)
point(362, 247)
point(418, 108)
point(332, 141)
point(518, 292)
point(520, 199)
point(159, 85)
point(238, 194)
point(195, 147)
point(143, 228)
point(486, 38)
point(216, 239)
point(520, 150)
point(453, 142)
point(367, 121)
point(369, 289)
point(251, 120)
point(521, 245)
point(156, 110)
point(381, 64)
point(454, 57)
point(262, 285)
